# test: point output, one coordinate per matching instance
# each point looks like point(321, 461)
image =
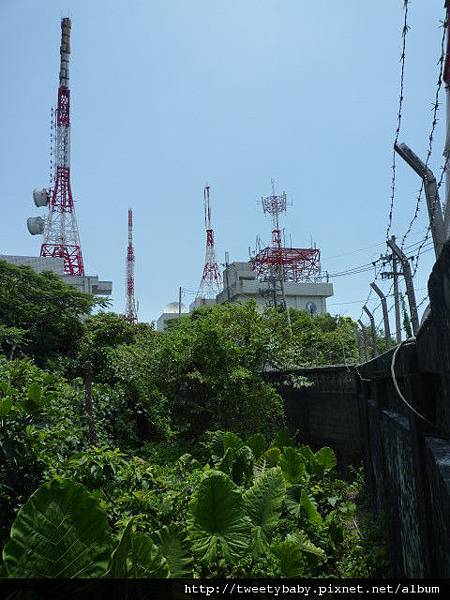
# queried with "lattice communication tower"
point(60, 229)
point(211, 281)
point(277, 261)
point(131, 307)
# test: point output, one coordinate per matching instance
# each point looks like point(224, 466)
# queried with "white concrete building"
point(171, 312)
point(241, 284)
point(87, 283)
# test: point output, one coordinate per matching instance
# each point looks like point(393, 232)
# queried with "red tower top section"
point(61, 237)
point(276, 261)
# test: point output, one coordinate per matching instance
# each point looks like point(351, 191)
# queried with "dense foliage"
point(107, 426)
point(240, 509)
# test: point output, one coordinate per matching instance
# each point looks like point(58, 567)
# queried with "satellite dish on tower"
point(40, 198)
point(35, 225)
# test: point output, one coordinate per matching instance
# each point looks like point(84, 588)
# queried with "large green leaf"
point(144, 560)
point(295, 552)
point(216, 520)
point(172, 545)
point(326, 459)
point(310, 507)
point(272, 456)
point(292, 465)
point(220, 441)
point(306, 546)
point(118, 567)
point(293, 500)
point(263, 505)
point(257, 443)
point(309, 458)
point(290, 557)
point(59, 532)
point(242, 467)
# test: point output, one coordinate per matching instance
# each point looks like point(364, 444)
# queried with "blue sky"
point(169, 94)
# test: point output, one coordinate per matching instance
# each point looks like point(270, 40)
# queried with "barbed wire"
point(405, 30)
point(422, 301)
point(435, 109)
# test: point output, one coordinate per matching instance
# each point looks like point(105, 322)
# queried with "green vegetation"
point(125, 452)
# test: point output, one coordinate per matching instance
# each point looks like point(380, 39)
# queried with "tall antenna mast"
point(131, 310)
point(60, 229)
point(211, 281)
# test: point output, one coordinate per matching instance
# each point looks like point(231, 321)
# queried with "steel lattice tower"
point(131, 310)
point(61, 238)
point(277, 261)
point(211, 281)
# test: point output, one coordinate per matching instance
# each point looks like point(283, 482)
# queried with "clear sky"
point(169, 94)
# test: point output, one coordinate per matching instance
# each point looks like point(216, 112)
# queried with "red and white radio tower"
point(61, 238)
point(131, 310)
point(211, 281)
point(277, 261)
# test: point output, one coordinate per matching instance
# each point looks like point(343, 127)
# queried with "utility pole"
point(398, 324)
point(179, 301)
point(364, 339)
point(406, 267)
point(394, 275)
point(374, 333)
point(387, 329)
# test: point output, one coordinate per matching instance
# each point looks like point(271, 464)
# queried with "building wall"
point(240, 284)
point(37, 263)
point(88, 283)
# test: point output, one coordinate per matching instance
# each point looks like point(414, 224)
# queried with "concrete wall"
point(359, 412)
point(326, 413)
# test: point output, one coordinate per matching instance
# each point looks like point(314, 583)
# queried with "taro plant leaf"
point(172, 545)
point(263, 505)
point(118, 567)
point(34, 397)
point(188, 463)
point(310, 508)
point(217, 524)
point(59, 532)
point(220, 441)
point(292, 465)
point(290, 557)
point(144, 560)
point(272, 456)
point(313, 552)
point(309, 458)
point(242, 467)
point(259, 468)
point(293, 500)
point(226, 463)
point(283, 438)
point(257, 443)
point(326, 459)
